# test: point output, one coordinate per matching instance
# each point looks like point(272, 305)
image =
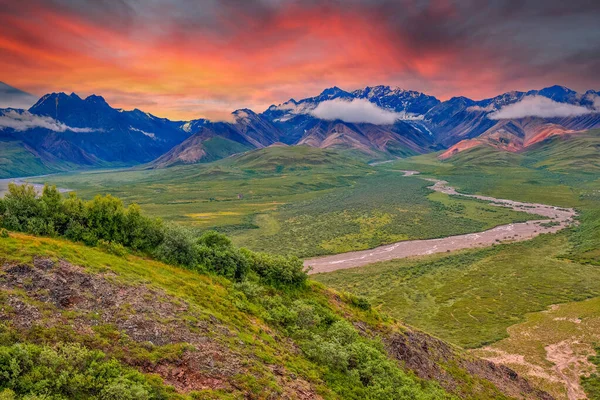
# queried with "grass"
point(229, 186)
point(258, 335)
point(16, 160)
point(472, 297)
point(501, 296)
point(382, 208)
point(294, 200)
point(208, 295)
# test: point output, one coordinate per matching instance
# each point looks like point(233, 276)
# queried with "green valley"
point(295, 200)
point(302, 201)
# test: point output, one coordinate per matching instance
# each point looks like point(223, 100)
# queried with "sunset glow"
point(183, 59)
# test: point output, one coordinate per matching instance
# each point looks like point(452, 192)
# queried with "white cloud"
point(357, 111)
point(539, 106)
point(25, 120)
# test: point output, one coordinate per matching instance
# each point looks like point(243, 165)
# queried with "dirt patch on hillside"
point(569, 366)
point(426, 355)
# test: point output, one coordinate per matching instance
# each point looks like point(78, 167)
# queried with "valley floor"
point(531, 305)
point(558, 219)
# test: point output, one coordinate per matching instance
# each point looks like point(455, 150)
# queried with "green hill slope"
point(291, 158)
point(17, 160)
point(222, 323)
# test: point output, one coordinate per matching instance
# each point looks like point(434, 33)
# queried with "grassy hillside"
point(199, 336)
point(291, 158)
point(295, 200)
point(16, 160)
point(470, 298)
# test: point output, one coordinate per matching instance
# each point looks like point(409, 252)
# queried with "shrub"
point(112, 248)
point(357, 301)
point(70, 371)
point(177, 247)
point(342, 332)
point(276, 270)
point(20, 205)
point(106, 222)
point(216, 253)
point(328, 353)
point(215, 240)
point(251, 290)
point(306, 315)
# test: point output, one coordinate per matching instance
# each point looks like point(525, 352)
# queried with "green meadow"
point(294, 200)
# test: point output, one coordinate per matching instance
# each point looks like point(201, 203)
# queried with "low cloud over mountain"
point(22, 121)
point(539, 106)
point(355, 111)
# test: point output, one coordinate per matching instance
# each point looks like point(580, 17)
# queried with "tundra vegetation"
point(47, 360)
point(303, 202)
point(482, 297)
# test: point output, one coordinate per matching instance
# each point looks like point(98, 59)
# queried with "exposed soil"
point(568, 366)
point(552, 347)
point(558, 218)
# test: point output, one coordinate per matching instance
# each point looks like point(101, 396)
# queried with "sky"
point(186, 59)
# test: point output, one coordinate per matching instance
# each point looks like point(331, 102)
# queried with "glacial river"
point(557, 218)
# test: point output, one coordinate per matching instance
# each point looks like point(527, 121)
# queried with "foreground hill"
point(203, 336)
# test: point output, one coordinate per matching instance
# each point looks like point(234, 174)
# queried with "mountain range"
point(63, 132)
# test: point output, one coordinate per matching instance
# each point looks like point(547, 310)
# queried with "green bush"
point(177, 247)
point(252, 290)
point(216, 252)
point(276, 270)
point(107, 223)
point(71, 371)
point(112, 248)
point(357, 301)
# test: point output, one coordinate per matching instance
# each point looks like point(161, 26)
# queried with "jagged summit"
point(91, 131)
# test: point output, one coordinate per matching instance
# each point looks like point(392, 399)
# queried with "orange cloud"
point(241, 59)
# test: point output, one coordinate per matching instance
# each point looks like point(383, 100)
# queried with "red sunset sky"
point(185, 59)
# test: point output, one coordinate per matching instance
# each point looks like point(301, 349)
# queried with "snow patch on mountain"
point(187, 127)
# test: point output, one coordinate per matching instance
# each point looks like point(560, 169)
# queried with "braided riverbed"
point(557, 219)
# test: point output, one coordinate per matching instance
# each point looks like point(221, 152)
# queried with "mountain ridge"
point(65, 131)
